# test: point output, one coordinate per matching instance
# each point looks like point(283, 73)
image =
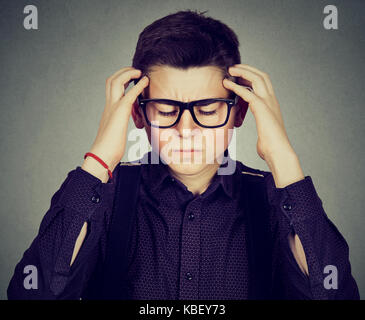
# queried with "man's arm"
point(93, 167)
point(318, 243)
point(309, 244)
point(286, 170)
point(62, 261)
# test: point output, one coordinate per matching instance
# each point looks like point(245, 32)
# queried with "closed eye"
point(167, 114)
point(207, 113)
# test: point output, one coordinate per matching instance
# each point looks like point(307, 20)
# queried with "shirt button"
point(191, 216)
point(172, 179)
point(95, 199)
point(189, 276)
point(287, 207)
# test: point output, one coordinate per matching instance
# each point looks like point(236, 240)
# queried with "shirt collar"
point(227, 179)
point(154, 173)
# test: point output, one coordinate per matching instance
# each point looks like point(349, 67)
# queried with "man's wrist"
point(285, 169)
point(96, 169)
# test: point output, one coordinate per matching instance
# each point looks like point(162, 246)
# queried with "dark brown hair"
point(187, 39)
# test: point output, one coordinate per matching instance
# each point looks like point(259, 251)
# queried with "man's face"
point(208, 143)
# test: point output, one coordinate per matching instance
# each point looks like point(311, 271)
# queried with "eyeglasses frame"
point(187, 106)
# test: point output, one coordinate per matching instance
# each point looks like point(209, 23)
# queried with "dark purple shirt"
point(183, 247)
point(186, 247)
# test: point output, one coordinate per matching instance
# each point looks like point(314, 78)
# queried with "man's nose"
point(186, 122)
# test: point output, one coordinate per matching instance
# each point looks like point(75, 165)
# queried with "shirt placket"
point(190, 252)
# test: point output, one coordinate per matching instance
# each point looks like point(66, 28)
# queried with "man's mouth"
point(187, 150)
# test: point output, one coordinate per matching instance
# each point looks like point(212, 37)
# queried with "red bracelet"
point(101, 162)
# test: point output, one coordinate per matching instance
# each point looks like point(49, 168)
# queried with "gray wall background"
point(52, 84)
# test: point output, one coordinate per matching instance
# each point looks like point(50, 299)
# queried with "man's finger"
point(120, 82)
point(264, 75)
point(258, 83)
point(109, 80)
point(134, 92)
point(255, 102)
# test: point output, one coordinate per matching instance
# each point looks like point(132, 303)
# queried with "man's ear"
point(240, 112)
point(137, 115)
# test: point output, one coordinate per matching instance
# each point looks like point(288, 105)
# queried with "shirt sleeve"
point(297, 209)
point(81, 198)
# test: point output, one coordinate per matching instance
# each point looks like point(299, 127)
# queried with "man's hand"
point(273, 144)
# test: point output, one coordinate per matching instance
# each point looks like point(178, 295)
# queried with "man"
point(193, 235)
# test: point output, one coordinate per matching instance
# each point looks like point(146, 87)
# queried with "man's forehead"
point(195, 81)
point(166, 71)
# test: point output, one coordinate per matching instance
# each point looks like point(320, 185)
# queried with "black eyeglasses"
point(207, 113)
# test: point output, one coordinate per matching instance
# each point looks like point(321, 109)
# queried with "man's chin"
point(188, 167)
